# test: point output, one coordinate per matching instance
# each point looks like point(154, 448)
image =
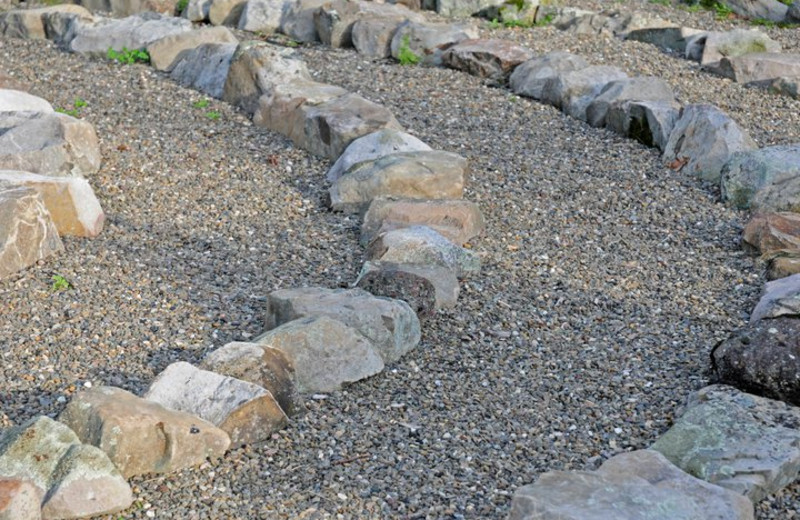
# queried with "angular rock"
point(780, 298)
point(649, 122)
point(643, 88)
point(510, 12)
point(166, 52)
point(226, 12)
point(256, 68)
point(197, 10)
point(413, 175)
point(18, 101)
point(668, 38)
point(140, 436)
point(331, 126)
point(27, 233)
point(77, 480)
point(262, 15)
point(326, 353)
point(760, 68)
point(770, 232)
point(334, 21)
point(86, 483)
point(734, 43)
point(71, 202)
point(704, 139)
point(783, 265)
point(48, 143)
point(19, 500)
point(62, 27)
point(739, 441)
point(372, 36)
point(28, 23)
point(786, 86)
point(425, 288)
point(430, 40)
point(286, 107)
point(297, 21)
point(763, 180)
point(261, 365)
point(247, 412)
point(205, 68)
point(573, 91)
point(133, 32)
point(494, 59)
point(374, 146)
point(391, 325)
point(456, 220)
point(123, 8)
point(636, 485)
point(464, 8)
point(764, 357)
point(420, 245)
point(529, 78)
point(771, 10)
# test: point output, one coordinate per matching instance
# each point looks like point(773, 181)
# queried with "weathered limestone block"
point(763, 180)
point(133, 32)
point(205, 68)
point(334, 21)
point(649, 122)
point(166, 52)
point(262, 16)
point(668, 38)
point(529, 78)
point(372, 36)
point(429, 40)
point(19, 500)
point(247, 412)
point(297, 21)
point(494, 59)
point(123, 8)
point(374, 146)
point(28, 23)
point(27, 233)
point(226, 12)
point(573, 91)
point(760, 68)
point(647, 88)
point(718, 45)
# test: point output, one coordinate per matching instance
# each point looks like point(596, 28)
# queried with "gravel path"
point(607, 279)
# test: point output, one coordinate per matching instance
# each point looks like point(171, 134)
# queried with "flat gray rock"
point(529, 78)
point(703, 140)
point(413, 175)
point(391, 325)
point(326, 353)
point(739, 441)
point(780, 298)
point(262, 15)
point(429, 40)
point(649, 122)
point(763, 180)
point(630, 486)
point(642, 88)
point(760, 68)
point(425, 288)
point(573, 91)
point(374, 146)
point(494, 59)
point(205, 68)
point(133, 32)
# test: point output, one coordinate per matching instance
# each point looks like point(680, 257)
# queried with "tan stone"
point(768, 232)
point(19, 500)
point(783, 265)
point(167, 52)
point(225, 12)
point(28, 24)
point(73, 207)
point(27, 233)
point(140, 436)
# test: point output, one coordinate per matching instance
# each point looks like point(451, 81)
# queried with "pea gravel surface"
point(607, 278)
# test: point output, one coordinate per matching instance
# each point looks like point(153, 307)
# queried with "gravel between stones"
point(607, 279)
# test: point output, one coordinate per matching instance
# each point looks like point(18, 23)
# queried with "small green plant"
point(203, 103)
point(181, 6)
point(291, 43)
point(494, 24)
point(405, 55)
point(213, 115)
point(68, 111)
point(763, 22)
point(78, 104)
point(546, 20)
point(723, 11)
point(128, 56)
point(60, 283)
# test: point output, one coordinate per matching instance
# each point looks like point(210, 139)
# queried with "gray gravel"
point(607, 280)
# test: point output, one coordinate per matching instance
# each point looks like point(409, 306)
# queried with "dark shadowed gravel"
point(607, 280)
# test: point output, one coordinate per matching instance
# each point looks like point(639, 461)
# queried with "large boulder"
point(429, 40)
point(262, 16)
point(374, 146)
point(391, 325)
point(456, 220)
point(425, 288)
point(140, 436)
point(297, 21)
point(760, 68)
point(255, 69)
point(771, 10)
point(529, 78)
point(166, 52)
point(770, 232)
point(729, 44)
point(20, 500)
point(29, 24)
point(133, 32)
point(645, 88)
point(764, 357)
point(205, 68)
point(325, 352)
point(413, 175)
point(739, 441)
point(783, 264)
point(703, 140)
point(27, 233)
point(334, 21)
point(573, 91)
point(247, 412)
point(636, 485)
point(258, 364)
point(649, 122)
point(71, 202)
point(77, 480)
point(48, 143)
point(18, 101)
point(494, 59)
point(372, 35)
point(763, 180)
point(420, 245)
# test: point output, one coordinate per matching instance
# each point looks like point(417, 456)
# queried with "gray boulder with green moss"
point(763, 180)
point(729, 44)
